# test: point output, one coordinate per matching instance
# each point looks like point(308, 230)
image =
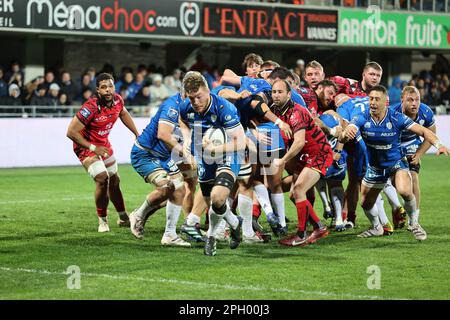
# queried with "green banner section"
point(393, 29)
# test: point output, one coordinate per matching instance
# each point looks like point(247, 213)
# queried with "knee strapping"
point(96, 168)
point(219, 210)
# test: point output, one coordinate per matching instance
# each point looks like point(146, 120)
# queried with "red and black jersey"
point(312, 101)
point(350, 87)
point(99, 120)
point(300, 118)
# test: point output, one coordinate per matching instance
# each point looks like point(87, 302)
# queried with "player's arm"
point(165, 134)
point(127, 120)
point(260, 105)
point(335, 132)
point(430, 137)
point(296, 147)
point(229, 77)
point(234, 96)
point(349, 133)
point(74, 134)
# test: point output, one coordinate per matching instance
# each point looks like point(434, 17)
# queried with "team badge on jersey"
point(389, 125)
point(367, 125)
point(85, 112)
point(173, 113)
point(421, 122)
point(213, 118)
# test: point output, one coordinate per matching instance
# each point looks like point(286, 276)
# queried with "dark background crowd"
point(148, 86)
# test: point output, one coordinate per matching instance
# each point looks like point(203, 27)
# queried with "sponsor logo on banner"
point(189, 18)
point(6, 12)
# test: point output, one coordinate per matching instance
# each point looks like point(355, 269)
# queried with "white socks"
point(278, 201)
point(245, 205)
point(337, 198)
point(214, 223)
point(262, 195)
point(192, 219)
point(391, 194)
point(372, 215)
point(172, 214)
point(321, 187)
point(411, 210)
point(144, 209)
point(381, 212)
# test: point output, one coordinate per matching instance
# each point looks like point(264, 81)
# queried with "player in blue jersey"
point(411, 144)
point(381, 129)
point(152, 156)
point(203, 111)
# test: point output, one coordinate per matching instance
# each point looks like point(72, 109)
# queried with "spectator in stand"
point(64, 100)
point(68, 87)
point(445, 92)
point(53, 93)
point(199, 64)
point(126, 80)
point(91, 72)
point(109, 68)
point(299, 68)
point(3, 85)
point(31, 88)
point(173, 81)
point(16, 78)
point(136, 85)
point(13, 71)
point(13, 98)
point(142, 98)
point(158, 92)
point(124, 93)
point(85, 84)
point(40, 98)
point(395, 91)
point(86, 94)
point(49, 78)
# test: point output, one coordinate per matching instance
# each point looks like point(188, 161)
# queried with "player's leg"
point(307, 178)
point(98, 172)
point(274, 180)
point(173, 211)
point(191, 225)
point(416, 190)
point(190, 181)
point(398, 212)
point(337, 199)
point(403, 184)
point(373, 182)
point(387, 226)
point(321, 187)
point(351, 192)
point(115, 194)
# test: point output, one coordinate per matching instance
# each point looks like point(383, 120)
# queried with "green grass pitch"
point(48, 223)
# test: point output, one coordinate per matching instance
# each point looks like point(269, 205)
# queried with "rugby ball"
point(216, 135)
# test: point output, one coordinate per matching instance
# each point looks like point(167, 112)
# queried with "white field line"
point(204, 284)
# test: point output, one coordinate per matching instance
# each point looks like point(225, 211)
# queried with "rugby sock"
point(417, 214)
point(351, 216)
point(230, 218)
point(411, 210)
point(372, 215)
point(102, 212)
point(263, 198)
point(337, 198)
point(245, 209)
point(118, 203)
point(256, 212)
point(303, 207)
point(381, 212)
point(278, 201)
point(192, 219)
point(321, 187)
point(391, 194)
point(173, 212)
point(144, 209)
point(214, 222)
point(314, 219)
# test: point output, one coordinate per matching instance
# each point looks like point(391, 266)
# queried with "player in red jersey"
point(371, 76)
point(308, 156)
point(89, 130)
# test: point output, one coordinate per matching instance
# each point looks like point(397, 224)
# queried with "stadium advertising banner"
point(122, 17)
point(170, 19)
point(389, 29)
point(263, 22)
